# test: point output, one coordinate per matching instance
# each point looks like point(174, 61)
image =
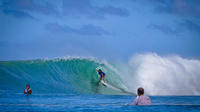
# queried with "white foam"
point(164, 75)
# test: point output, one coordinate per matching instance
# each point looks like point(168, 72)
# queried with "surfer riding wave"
point(102, 75)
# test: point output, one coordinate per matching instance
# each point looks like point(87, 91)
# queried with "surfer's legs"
point(102, 78)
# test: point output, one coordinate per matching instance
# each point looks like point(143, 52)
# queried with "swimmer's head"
point(27, 86)
point(99, 70)
point(140, 91)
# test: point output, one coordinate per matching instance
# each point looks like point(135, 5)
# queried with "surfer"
point(102, 75)
point(141, 99)
point(28, 90)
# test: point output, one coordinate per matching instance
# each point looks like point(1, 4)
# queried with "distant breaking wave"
point(158, 75)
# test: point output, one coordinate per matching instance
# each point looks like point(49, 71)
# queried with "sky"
point(106, 29)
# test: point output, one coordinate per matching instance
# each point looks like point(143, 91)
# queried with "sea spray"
point(164, 75)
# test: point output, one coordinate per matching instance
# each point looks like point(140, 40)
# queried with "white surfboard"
point(103, 83)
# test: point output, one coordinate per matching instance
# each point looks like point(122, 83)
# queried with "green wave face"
point(70, 76)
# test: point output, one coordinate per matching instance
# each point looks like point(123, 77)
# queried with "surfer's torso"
point(102, 73)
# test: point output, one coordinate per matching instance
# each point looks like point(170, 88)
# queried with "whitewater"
point(159, 75)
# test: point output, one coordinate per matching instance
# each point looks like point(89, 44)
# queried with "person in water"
point(28, 90)
point(102, 75)
point(141, 99)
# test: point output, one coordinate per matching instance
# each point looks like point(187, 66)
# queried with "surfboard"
point(103, 83)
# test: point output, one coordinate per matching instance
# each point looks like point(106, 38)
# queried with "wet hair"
point(27, 85)
point(140, 91)
point(99, 70)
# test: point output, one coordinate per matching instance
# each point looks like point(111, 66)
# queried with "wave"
point(158, 75)
point(71, 76)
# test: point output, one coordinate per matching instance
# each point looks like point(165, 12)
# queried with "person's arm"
point(135, 102)
point(148, 102)
point(30, 91)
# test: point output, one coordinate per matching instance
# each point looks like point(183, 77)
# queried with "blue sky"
point(106, 29)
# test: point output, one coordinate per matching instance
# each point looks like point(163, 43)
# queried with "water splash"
point(165, 75)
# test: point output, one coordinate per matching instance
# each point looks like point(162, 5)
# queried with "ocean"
point(89, 103)
point(72, 84)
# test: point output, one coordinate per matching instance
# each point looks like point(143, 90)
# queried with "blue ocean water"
point(106, 103)
point(72, 84)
